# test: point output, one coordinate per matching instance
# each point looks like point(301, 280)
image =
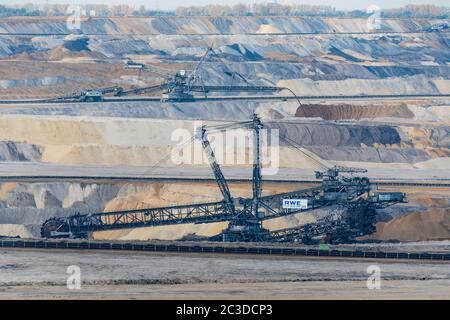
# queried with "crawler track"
point(220, 248)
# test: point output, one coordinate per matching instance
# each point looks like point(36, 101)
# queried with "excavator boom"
point(220, 179)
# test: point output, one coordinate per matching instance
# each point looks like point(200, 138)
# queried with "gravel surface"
point(30, 274)
point(30, 266)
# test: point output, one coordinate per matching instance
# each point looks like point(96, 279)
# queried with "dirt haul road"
point(32, 274)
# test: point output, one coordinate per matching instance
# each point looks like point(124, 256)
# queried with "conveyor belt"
point(445, 183)
point(183, 247)
point(224, 98)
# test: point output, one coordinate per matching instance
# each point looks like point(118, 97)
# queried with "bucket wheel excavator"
point(350, 203)
point(181, 86)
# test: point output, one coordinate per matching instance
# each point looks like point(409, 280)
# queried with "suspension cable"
point(293, 144)
point(168, 154)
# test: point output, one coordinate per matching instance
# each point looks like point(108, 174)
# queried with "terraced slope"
point(310, 55)
point(39, 57)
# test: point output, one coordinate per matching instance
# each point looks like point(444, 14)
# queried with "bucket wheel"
point(55, 228)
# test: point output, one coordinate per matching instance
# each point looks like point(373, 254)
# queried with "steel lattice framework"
point(247, 214)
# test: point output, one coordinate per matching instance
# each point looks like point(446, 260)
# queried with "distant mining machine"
point(350, 202)
point(185, 86)
point(88, 95)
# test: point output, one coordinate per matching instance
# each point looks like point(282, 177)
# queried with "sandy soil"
point(349, 111)
point(434, 223)
point(392, 173)
point(394, 139)
point(30, 274)
point(341, 290)
point(28, 203)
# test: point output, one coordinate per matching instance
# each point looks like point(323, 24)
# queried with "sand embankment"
point(432, 224)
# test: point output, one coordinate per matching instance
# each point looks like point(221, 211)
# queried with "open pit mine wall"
point(41, 58)
point(25, 206)
point(210, 25)
point(309, 64)
point(38, 135)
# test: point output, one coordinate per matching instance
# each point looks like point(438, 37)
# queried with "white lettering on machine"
point(295, 203)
